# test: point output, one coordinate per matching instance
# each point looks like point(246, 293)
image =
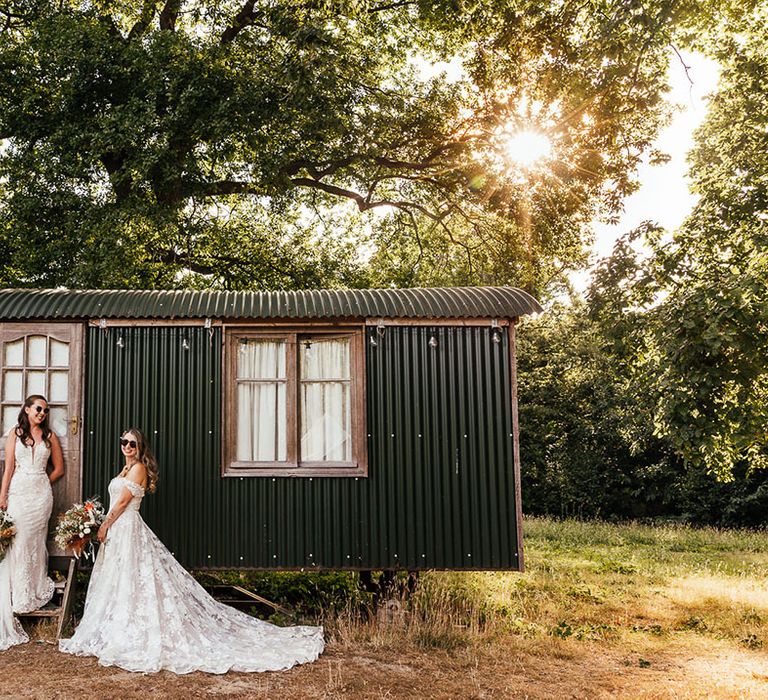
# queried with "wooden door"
point(46, 358)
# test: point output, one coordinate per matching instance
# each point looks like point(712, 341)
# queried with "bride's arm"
point(10, 465)
point(57, 458)
point(136, 475)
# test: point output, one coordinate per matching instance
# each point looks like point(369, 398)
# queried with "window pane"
point(261, 359)
point(10, 414)
point(324, 359)
point(261, 422)
point(325, 422)
point(58, 420)
point(59, 353)
point(37, 348)
point(12, 387)
point(36, 383)
point(59, 386)
point(14, 353)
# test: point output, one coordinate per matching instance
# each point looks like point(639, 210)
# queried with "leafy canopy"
point(268, 143)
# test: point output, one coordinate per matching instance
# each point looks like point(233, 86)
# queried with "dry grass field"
point(603, 611)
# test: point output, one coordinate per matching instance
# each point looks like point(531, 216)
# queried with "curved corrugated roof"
point(436, 302)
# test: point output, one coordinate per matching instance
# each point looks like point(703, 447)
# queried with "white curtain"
point(325, 401)
point(261, 401)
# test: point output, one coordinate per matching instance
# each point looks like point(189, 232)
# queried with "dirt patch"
point(682, 667)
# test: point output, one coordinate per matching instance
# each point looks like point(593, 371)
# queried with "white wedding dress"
point(24, 582)
point(145, 612)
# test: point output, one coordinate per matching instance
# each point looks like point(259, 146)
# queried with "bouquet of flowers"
point(77, 528)
point(7, 532)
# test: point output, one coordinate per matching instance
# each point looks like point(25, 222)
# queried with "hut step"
point(63, 589)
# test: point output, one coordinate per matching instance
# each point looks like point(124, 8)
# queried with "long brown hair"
point(145, 456)
point(23, 428)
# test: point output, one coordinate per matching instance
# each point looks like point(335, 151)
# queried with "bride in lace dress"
point(145, 612)
point(26, 495)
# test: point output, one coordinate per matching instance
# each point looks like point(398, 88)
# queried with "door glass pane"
point(37, 354)
point(35, 383)
point(59, 385)
point(14, 353)
point(58, 420)
point(59, 353)
point(10, 414)
point(12, 387)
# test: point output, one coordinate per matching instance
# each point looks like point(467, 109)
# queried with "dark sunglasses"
point(128, 443)
point(40, 409)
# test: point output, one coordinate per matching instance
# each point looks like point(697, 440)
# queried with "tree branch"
point(145, 19)
point(244, 18)
point(362, 201)
point(390, 6)
point(169, 14)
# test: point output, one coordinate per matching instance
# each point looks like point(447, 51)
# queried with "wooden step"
point(64, 591)
point(43, 612)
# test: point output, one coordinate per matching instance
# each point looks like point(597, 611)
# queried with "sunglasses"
point(40, 409)
point(128, 443)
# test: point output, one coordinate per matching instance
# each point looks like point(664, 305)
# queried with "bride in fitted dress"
point(145, 612)
point(26, 495)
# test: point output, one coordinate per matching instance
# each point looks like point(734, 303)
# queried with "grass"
point(592, 581)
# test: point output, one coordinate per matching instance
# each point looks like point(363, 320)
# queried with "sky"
point(664, 196)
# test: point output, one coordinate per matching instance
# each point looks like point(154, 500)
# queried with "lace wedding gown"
point(145, 612)
point(24, 582)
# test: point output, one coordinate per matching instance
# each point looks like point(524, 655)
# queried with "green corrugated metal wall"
point(440, 490)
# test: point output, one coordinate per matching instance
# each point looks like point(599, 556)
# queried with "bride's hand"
point(4, 502)
point(101, 535)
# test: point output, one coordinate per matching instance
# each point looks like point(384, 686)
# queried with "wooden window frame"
point(294, 466)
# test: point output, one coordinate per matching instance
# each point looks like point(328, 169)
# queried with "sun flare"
point(525, 148)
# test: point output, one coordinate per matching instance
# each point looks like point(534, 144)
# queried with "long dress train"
point(145, 612)
point(24, 582)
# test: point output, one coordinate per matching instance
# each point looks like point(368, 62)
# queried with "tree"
point(710, 348)
point(202, 143)
point(586, 414)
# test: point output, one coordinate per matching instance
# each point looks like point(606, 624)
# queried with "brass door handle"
point(74, 421)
